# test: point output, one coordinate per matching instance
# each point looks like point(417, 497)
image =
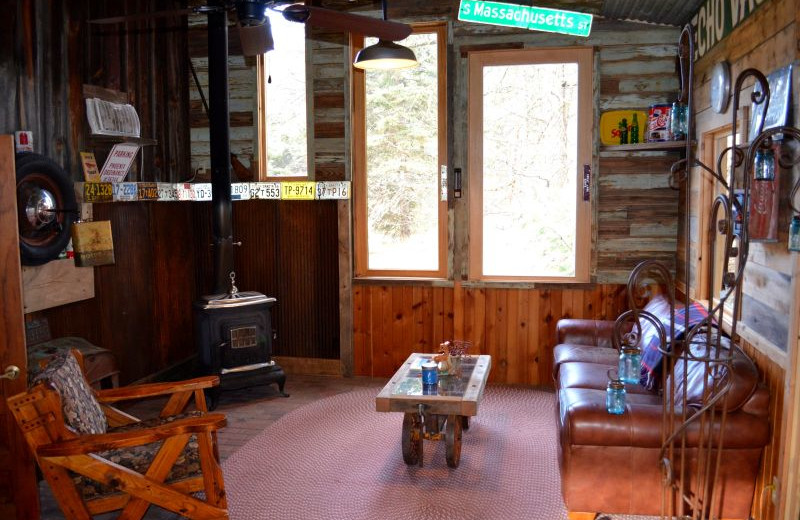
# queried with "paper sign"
point(90, 171)
point(118, 162)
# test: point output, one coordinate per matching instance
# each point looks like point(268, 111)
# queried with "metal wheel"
point(453, 439)
point(412, 439)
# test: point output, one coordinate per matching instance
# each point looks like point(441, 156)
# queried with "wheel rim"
point(38, 199)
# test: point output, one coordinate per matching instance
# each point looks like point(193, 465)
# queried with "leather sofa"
point(611, 463)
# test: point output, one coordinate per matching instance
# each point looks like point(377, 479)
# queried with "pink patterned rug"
point(340, 459)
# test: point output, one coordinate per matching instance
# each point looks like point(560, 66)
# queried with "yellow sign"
point(610, 125)
point(298, 190)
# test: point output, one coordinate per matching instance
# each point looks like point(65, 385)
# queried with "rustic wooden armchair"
point(97, 458)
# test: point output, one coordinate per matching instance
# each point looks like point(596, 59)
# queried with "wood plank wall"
point(515, 326)
point(766, 41)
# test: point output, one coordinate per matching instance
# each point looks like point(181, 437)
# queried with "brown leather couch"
point(611, 463)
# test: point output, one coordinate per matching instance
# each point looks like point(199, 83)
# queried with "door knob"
point(12, 372)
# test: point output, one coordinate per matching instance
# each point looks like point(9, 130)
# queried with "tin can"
point(658, 123)
point(430, 373)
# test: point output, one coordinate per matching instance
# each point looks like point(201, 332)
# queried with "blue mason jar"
point(615, 397)
point(630, 364)
point(764, 165)
point(430, 373)
point(794, 234)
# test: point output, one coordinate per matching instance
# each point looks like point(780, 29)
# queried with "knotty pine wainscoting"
point(516, 326)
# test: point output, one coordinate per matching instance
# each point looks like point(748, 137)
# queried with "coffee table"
point(435, 412)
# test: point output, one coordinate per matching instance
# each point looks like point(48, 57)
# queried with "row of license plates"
point(165, 191)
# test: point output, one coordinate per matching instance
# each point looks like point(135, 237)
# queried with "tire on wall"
point(46, 208)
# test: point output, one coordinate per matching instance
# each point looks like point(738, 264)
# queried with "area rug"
point(338, 458)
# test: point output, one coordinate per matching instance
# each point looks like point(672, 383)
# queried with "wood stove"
point(233, 330)
point(234, 340)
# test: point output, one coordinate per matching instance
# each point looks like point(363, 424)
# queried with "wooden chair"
point(97, 458)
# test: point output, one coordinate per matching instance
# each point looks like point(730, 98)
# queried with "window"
point(399, 137)
point(530, 140)
point(283, 150)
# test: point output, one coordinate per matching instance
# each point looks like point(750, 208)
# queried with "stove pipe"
point(220, 150)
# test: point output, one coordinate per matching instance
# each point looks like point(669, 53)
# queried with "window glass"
point(285, 105)
point(529, 165)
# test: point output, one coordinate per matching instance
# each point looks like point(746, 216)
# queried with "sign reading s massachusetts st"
point(525, 17)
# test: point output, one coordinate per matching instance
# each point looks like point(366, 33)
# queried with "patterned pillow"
point(82, 412)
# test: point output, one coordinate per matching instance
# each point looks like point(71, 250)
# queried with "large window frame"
point(584, 57)
point(359, 159)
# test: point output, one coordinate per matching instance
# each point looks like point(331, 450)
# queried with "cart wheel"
point(412, 439)
point(453, 439)
point(465, 422)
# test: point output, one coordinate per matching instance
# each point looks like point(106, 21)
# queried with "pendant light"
point(385, 55)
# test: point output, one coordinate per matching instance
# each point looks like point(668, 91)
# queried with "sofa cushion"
point(82, 412)
point(593, 376)
point(571, 353)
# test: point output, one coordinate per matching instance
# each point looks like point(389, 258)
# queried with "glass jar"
point(764, 165)
point(794, 234)
point(677, 122)
point(630, 364)
point(615, 397)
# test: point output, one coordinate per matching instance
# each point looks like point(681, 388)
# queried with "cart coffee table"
point(435, 412)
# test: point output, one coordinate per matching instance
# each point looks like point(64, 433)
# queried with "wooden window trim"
point(359, 135)
point(584, 57)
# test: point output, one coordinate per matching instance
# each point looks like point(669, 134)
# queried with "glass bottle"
point(794, 234)
point(630, 364)
point(623, 131)
point(677, 121)
point(634, 136)
point(764, 165)
point(615, 397)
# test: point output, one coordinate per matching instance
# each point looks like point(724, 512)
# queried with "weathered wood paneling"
point(515, 326)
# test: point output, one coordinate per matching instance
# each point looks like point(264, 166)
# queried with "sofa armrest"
point(585, 332)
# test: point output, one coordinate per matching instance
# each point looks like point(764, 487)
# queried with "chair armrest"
point(108, 441)
point(585, 332)
point(155, 389)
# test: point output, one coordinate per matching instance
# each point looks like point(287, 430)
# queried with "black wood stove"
point(234, 340)
point(233, 329)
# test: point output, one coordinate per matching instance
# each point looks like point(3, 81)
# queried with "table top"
point(457, 393)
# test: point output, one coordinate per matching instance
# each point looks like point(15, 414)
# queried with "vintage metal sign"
point(716, 19)
point(525, 17)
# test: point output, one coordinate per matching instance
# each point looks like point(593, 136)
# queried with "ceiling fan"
point(254, 28)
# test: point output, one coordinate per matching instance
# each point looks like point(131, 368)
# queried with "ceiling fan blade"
point(142, 16)
point(336, 20)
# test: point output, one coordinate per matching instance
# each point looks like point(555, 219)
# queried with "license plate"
point(147, 191)
point(98, 192)
point(167, 191)
point(202, 191)
point(297, 191)
point(327, 190)
point(240, 191)
point(125, 191)
point(265, 190)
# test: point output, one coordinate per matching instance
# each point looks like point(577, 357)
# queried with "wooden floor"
point(249, 411)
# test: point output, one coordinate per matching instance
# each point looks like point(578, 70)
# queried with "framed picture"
point(780, 82)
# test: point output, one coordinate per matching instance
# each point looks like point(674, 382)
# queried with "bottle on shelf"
point(623, 131)
point(634, 137)
point(794, 234)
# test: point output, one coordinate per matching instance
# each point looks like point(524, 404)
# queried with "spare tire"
point(46, 208)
